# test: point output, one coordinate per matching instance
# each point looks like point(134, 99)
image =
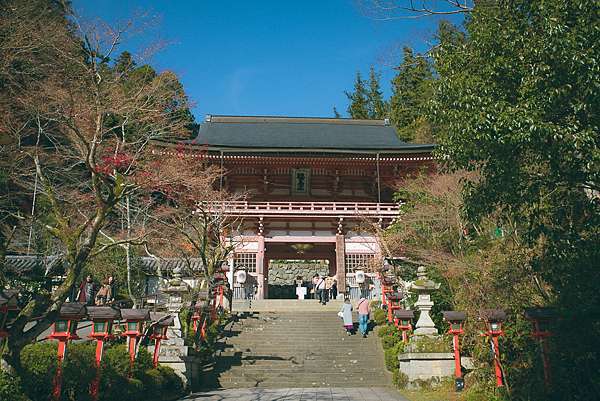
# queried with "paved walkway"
point(300, 394)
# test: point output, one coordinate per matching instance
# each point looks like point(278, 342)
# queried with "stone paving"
point(300, 394)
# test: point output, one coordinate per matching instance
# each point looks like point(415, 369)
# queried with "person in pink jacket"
point(363, 316)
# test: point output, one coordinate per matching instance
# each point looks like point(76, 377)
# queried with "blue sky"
point(266, 57)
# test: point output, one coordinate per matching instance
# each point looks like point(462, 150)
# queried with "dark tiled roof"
point(27, 264)
point(302, 134)
point(168, 264)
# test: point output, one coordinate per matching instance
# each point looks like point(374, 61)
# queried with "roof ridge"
point(288, 119)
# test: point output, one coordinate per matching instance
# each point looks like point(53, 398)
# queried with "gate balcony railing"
point(301, 209)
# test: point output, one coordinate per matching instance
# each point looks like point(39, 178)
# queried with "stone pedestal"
point(173, 351)
point(426, 367)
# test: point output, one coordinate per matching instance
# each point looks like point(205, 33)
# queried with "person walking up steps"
point(346, 315)
point(363, 316)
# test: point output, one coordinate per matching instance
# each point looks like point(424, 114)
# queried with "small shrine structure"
point(310, 186)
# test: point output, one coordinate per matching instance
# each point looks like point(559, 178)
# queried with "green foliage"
point(391, 356)
point(386, 330)
point(146, 382)
point(412, 89)
point(518, 99)
point(376, 106)
point(38, 362)
point(379, 316)
point(359, 99)
point(430, 344)
point(10, 388)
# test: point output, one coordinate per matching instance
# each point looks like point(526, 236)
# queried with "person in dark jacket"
point(87, 291)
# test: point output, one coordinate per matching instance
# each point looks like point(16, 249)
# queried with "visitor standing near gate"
point(321, 290)
point(315, 281)
point(346, 314)
point(363, 316)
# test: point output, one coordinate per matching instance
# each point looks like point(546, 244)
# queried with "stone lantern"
point(424, 287)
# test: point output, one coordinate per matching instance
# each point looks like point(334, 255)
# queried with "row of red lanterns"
point(103, 318)
point(493, 318)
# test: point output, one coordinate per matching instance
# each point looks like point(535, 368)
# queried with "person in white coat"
point(346, 315)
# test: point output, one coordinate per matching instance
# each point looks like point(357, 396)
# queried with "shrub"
point(391, 357)
point(10, 388)
point(386, 330)
point(38, 364)
point(172, 386)
point(379, 316)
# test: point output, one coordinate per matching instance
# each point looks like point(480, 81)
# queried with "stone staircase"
point(296, 349)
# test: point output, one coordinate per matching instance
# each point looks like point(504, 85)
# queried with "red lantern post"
point(65, 329)
point(102, 318)
point(402, 321)
point(134, 328)
point(493, 319)
point(394, 303)
point(456, 319)
point(8, 303)
point(160, 324)
point(541, 318)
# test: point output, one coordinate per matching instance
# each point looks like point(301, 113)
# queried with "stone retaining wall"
point(286, 273)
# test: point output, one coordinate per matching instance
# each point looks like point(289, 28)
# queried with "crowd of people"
point(92, 293)
point(324, 288)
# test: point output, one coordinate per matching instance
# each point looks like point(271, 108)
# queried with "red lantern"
point(160, 323)
point(134, 328)
point(102, 318)
point(493, 319)
point(541, 318)
point(394, 300)
point(65, 329)
point(402, 320)
point(456, 319)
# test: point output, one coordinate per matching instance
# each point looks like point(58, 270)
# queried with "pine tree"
point(359, 99)
point(411, 90)
point(377, 107)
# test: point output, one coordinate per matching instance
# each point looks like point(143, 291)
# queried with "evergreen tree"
point(411, 90)
point(359, 99)
point(377, 107)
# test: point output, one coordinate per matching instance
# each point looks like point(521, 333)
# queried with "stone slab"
point(300, 394)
